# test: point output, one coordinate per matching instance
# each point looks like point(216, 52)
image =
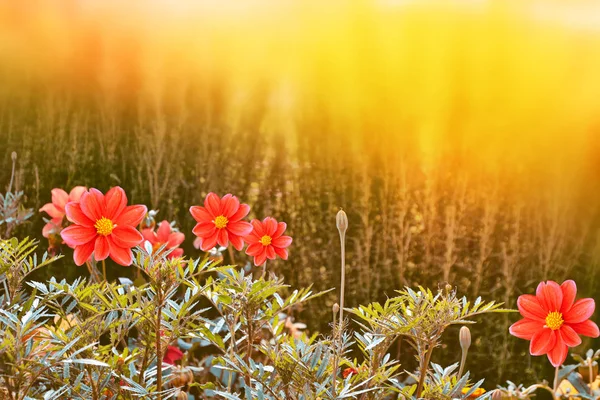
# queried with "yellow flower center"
point(221, 222)
point(104, 226)
point(266, 240)
point(554, 320)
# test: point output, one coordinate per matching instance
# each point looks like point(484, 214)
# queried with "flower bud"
point(336, 308)
point(496, 395)
point(341, 221)
point(465, 338)
point(13, 155)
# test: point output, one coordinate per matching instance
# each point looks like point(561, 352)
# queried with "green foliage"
point(107, 340)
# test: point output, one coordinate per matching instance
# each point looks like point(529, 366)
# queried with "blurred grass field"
point(462, 138)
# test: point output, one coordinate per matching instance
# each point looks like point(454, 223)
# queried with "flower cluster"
point(220, 221)
point(103, 225)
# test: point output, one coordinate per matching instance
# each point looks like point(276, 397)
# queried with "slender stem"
point(93, 275)
point(555, 387)
point(264, 269)
point(159, 356)
point(231, 351)
point(423, 372)
point(249, 349)
point(335, 359)
point(338, 331)
point(343, 277)
point(230, 251)
point(104, 270)
point(463, 360)
point(592, 379)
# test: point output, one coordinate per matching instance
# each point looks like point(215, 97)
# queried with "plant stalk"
point(424, 370)
point(264, 270)
point(159, 351)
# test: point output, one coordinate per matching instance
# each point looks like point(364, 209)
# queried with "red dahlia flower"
point(266, 240)
point(56, 209)
point(165, 235)
point(103, 225)
point(553, 320)
point(220, 221)
point(349, 371)
point(172, 354)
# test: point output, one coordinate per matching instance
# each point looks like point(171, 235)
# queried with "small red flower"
point(56, 209)
point(349, 371)
point(165, 235)
point(552, 320)
point(172, 354)
point(103, 225)
point(220, 221)
point(266, 240)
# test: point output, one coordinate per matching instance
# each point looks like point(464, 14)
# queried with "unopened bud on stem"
point(13, 155)
point(341, 221)
point(336, 308)
point(465, 338)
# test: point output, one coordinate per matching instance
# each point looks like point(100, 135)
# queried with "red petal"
point(164, 229)
point(569, 336)
point(558, 354)
point(175, 239)
point(212, 203)
point(59, 198)
point(554, 296)
point(76, 215)
point(101, 248)
point(526, 328)
point(126, 236)
point(270, 252)
point(586, 328)
point(569, 289)
point(260, 259)
point(83, 253)
point(542, 342)
point(200, 214)
point(149, 235)
point(77, 235)
point(529, 307)
point(209, 242)
point(283, 253)
point(242, 211)
point(120, 255)
point(236, 241)
point(581, 310)
point(203, 229)
point(52, 210)
point(229, 205)
point(282, 242)
point(176, 253)
point(270, 225)
point(254, 249)
point(239, 228)
point(258, 230)
point(76, 192)
point(115, 201)
point(131, 215)
point(222, 237)
point(281, 226)
point(47, 229)
point(91, 206)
